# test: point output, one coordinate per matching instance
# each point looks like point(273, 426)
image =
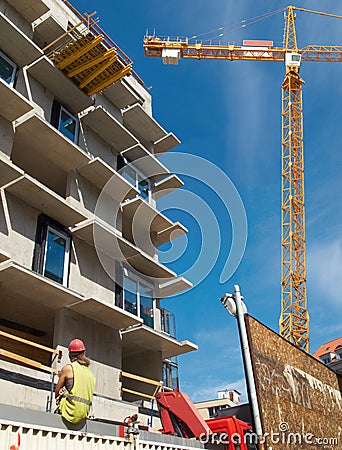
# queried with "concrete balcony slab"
point(145, 162)
point(63, 89)
point(13, 104)
point(4, 256)
point(30, 9)
point(171, 233)
point(31, 299)
point(145, 217)
point(121, 94)
point(8, 171)
point(99, 173)
point(138, 121)
point(141, 338)
point(106, 314)
point(15, 44)
point(173, 287)
point(34, 135)
point(109, 243)
point(30, 284)
point(47, 29)
point(166, 143)
point(166, 185)
point(141, 217)
point(45, 200)
point(108, 128)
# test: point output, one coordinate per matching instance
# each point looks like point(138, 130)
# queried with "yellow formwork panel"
point(89, 64)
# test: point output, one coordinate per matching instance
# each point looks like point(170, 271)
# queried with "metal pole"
point(247, 361)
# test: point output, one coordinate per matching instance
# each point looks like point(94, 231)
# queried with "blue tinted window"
point(68, 125)
point(146, 304)
point(7, 70)
point(130, 296)
point(56, 256)
point(144, 189)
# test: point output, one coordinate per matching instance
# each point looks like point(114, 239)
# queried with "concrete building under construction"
point(75, 122)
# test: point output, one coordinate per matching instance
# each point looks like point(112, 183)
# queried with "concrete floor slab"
point(108, 128)
point(65, 91)
point(34, 135)
point(137, 120)
point(45, 200)
point(30, 9)
point(15, 44)
point(13, 104)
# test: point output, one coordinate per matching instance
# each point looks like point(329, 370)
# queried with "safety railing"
point(31, 362)
point(157, 384)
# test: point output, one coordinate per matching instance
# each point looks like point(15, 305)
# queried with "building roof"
point(328, 347)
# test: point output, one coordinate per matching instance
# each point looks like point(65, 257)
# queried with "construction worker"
point(75, 387)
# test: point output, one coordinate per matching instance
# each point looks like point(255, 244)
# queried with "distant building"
point(330, 354)
point(226, 399)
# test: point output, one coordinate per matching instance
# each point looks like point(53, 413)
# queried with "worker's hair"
point(79, 357)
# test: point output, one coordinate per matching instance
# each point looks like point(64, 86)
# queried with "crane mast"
point(294, 318)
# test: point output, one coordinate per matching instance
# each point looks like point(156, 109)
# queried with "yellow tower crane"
point(294, 319)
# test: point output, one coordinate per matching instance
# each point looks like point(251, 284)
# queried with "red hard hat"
point(76, 345)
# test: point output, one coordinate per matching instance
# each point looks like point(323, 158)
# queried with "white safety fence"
point(34, 437)
point(16, 436)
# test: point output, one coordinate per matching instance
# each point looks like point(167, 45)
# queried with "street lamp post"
point(236, 307)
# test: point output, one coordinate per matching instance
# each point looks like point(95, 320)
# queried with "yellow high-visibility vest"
point(75, 405)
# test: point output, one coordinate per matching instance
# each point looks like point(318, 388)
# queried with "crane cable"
point(238, 25)
point(252, 20)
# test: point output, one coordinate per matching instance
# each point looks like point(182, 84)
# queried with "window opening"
point(56, 256)
point(137, 179)
point(138, 298)
point(7, 69)
point(170, 374)
point(68, 124)
point(52, 250)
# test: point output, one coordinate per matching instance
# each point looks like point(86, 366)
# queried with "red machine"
point(180, 417)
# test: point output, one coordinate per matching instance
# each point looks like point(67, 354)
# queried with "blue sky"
point(230, 114)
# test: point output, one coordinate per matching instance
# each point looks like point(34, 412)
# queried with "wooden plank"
point(25, 341)
point(29, 362)
point(140, 394)
point(142, 379)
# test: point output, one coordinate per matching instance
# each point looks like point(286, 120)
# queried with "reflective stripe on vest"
point(78, 399)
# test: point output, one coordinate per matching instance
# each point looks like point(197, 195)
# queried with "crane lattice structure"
point(294, 319)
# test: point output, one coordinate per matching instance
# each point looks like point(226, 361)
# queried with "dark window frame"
point(14, 66)
point(43, 224)
point(56, 112)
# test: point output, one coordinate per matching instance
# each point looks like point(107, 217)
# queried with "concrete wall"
point(103, 348)
point(6, 136)
point(18, 223)
point(16, 18)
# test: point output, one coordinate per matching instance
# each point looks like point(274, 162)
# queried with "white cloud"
point(210, 392)
point(325, 271)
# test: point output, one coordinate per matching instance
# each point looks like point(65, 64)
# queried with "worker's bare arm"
point(65, 373)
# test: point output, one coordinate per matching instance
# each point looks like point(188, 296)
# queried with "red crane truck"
point(180, 417)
